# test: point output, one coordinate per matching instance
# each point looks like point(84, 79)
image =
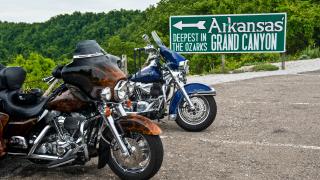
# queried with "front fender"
point(141, 124)
point(191, 89)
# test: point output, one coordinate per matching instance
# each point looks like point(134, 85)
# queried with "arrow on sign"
point(199, 25)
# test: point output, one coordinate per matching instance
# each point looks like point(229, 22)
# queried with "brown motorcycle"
point(82, 118)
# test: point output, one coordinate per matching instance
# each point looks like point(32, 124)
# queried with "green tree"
point(37, 67)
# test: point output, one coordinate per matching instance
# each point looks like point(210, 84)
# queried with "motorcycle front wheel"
point(201, 117)
point(144, 161)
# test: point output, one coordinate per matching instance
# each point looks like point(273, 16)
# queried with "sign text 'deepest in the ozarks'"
point(234, 33)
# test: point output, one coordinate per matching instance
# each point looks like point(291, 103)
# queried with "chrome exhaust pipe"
point(61, 163)
point(44, 157)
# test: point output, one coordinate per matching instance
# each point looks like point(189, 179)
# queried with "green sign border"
point(285, 32)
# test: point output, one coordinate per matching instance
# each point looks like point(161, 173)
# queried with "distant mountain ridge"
point(119, 31)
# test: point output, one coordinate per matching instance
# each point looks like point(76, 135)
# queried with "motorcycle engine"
point(69, 125)
point(142, 106)
point(155, 90)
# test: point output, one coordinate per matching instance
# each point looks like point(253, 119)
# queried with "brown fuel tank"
point(66, 102)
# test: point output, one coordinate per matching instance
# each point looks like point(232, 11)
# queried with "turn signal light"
point(129, 103)
point(107, 111)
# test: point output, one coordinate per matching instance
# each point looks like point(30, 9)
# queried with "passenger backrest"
point(12, 78)
point(1, 86)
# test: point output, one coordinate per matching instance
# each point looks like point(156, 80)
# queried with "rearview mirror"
point(146, 38)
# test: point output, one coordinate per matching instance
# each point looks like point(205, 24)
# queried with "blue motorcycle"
point(162, 83)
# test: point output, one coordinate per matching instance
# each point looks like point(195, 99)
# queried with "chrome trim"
point(84, 145)
point(44, 113)
point(67, 154)
point(181, 86)
point(120, 87)
point(204, 93)
point(17, 154)
point(172, 117)
point(44, 157)
point(20, 144)
point(117, 136)
point(106, 94)
point(38, 139)
point(195, 117)
point(110, 121)
point(164, 92)
point(62, 163)
point(88, 55)
point(82, 132)
point(121, 110)
point(150, 105)
point(52, 85)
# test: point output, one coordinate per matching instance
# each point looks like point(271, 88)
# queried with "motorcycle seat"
point(20, 110)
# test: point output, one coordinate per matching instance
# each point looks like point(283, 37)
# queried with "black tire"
point(203, 125)
point(153, 167)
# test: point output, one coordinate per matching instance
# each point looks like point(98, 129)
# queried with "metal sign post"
point(223, 62)
point(283, 61)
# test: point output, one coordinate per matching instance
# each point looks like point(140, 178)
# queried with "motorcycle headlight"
point(120, 90)
point(106, 94)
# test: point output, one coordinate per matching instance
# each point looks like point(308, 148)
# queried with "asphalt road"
point(266, 128)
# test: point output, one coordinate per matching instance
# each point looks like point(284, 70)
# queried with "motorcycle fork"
point(181, 87)
point(110, 122)
point(164, 93)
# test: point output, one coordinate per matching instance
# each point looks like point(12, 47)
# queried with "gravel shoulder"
point(266, 128)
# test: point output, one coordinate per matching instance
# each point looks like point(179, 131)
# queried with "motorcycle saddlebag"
point(12, 78)
point(4, 118)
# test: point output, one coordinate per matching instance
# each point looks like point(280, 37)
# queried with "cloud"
point(42, 10)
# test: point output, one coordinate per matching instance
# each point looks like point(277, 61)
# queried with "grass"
point(265, 67)
point(310, 53)
point(261, 62)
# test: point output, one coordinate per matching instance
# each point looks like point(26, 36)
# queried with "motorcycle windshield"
point(172, 58)
point(92, 71)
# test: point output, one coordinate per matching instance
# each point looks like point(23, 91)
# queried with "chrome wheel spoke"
point(139, 158)
point(197, 116)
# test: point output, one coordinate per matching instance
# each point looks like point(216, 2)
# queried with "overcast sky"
point(41, 10)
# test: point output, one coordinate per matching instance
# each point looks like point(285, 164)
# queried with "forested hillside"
point(120, 31)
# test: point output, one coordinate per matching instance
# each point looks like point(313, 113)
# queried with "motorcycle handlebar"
point(48, 79)
point(139, 49)
point(147, 49)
